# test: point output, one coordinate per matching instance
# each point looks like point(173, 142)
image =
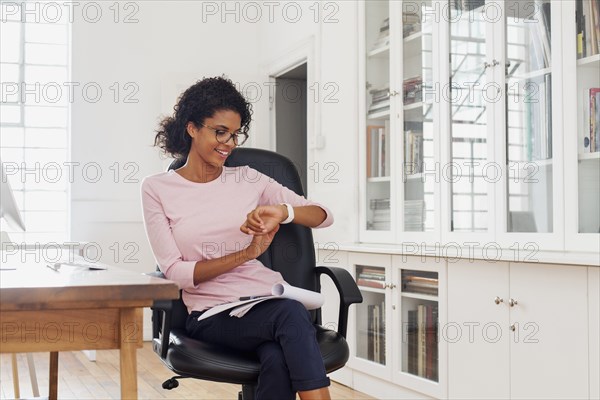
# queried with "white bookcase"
point(394, 333)
point(501, 329)
point(467, 117)
point(474, 130)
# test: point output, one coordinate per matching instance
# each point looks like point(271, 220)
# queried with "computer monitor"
point(8, 206)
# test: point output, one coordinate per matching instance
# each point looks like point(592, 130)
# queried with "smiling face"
point(208, 155)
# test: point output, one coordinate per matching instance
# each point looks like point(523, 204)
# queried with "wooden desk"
point(77, 309)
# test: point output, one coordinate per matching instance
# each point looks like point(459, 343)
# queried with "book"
point(431, 338)
point(373, 150)
point(411, 23)
point(594, 138)
point(311, 300)
point(375, 333)
point(370, 335)
point(411, 342)
point(421, 341)
point(374, 283)
point(383, 39)
point(381, 333)
point(430, 342)
point(413, 90)
point(579, 25)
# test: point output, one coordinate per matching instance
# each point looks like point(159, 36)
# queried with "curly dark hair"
point(198, 102)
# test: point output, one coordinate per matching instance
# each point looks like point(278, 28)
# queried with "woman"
point(208, 223)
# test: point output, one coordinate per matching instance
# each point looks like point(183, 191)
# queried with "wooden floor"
point(80, 378)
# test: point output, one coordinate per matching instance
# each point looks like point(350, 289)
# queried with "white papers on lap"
point(311, 300)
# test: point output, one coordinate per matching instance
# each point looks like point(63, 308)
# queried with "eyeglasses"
point(223, 136)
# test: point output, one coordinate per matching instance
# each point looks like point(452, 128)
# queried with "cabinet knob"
point(498, 300)
point(389, 285)
point(513, 327)
point(512, 302)
point(392, 94)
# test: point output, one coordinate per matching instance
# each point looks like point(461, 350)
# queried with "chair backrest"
point(292, 251)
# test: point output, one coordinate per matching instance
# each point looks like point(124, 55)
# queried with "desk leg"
point(53, 378)
point(15, 371)
point(128, 353)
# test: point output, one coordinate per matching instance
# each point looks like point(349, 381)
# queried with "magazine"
point(311, 300)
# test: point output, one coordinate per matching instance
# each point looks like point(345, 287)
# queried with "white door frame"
point(303, 52)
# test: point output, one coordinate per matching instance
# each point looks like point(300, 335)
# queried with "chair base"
point(247, 393)
point(172, 383)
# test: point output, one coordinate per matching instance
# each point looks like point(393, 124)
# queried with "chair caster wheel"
point(170, 384)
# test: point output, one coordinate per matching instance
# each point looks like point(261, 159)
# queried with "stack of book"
point(587, 19)
point(539, 120)
point(383, 39)
point(422, 342)
point(411, 23)
point(419, 283)
point(414, 215)
point(371, 277)
point(381, 214)
point(380, 100)
point(413, 152)
point(413, 90)
point(378, 151)
point(540, 55)
point(592, 143)
point(376, 333)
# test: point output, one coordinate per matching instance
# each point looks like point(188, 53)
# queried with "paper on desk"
point(311, 300)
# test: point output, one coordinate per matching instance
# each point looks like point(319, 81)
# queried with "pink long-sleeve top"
point(188, 222)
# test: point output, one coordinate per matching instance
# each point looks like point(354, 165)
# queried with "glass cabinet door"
point(528, 80)
point(420, 336)
point(587, 39)
point(469, 109)
point(417, 105)
point(370, 314)
point(377, 131)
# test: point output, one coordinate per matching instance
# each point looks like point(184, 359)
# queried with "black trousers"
point(282, 335)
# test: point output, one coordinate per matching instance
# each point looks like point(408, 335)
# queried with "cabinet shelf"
point(413, 106)
point(379, 179)
point(385, 114)
point(371, 289)
point(413, 36)
point(419, 296)
point(379, 52)
point(589, 62)
point(588, 156)
point(414, 177)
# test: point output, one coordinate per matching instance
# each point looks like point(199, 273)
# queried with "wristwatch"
point(290, 211)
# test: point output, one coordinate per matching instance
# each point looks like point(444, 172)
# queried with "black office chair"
point(292, 254)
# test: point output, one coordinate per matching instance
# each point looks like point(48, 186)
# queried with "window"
point(34, 118)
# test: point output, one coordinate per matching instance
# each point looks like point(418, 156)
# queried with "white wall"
point(172, 45)
point(166, 51)
point(332, 31)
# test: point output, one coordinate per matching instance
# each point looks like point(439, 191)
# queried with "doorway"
point(291, 119)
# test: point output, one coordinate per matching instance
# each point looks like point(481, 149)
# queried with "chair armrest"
point(161, 320)
point(161, 325)
point(348, 290)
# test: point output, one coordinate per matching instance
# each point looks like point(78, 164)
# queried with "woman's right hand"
point(260, 243)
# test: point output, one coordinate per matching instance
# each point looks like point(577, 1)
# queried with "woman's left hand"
point(263, 219)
